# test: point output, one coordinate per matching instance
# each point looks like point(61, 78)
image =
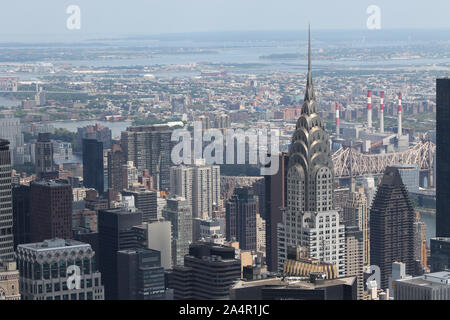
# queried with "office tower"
point(420, 242)
point(391, 226)
point(354, 258)
point(440, 254)
point(93, 173)
point(260, 234)
point(21, 199)
point(199, 184)
point(410, 176)
point(179, 213)
point(116, 160)
point(208, 273)
point(398, 272)
point(115, 230)
point(44, 154)
point(315, 288)
point(62, 151)
point(45, 274)
point(241, 218)
point(309, 218)
point(157, 235)
point(206, 229)
point(181, 180)
point(9, 281)
point(11, 130)
point(442, 157)
point(149, 147)
point(140, 275)
point(275, 200)
point(6, 213)
point(130, 174)
point(146, 201)
point(431, 286)
point(259, 189)
point(51, 210)
point(356, 214)
point(94, 132)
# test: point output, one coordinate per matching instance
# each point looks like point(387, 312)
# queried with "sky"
point(125, 17)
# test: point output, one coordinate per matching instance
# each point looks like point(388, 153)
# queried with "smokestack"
point(399, 133)
point(369, 109)
point(337, 119)
point(382, 112)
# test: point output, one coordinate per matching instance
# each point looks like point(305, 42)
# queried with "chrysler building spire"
point(309, 106)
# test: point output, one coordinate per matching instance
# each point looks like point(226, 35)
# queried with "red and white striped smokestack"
point(381, 111)
point(337, 119)
point(369, 109)
point(399, 114)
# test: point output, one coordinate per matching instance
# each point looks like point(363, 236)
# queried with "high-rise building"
point(443, 157)
point(309, 218)
point(149, 147)
point(130, 174)
point(391, 226)
point(44, 154)
point(6, 213)
point(140, 275)
point(94, 132)
point(93, 172)
point(354, 258)
point(241, 218)
point(45, 271)
point(21, 196)
point(146, 201)
point(275, 200)
point(199, 184)
point(356, 214)
point(9, 281)
point(420, 242)
point(179, 213)
point(11, 130)
point(115, 230)
point(51, 210)
point(440, 254)
point(208, 273)
point(116, 160)
point(157, 235)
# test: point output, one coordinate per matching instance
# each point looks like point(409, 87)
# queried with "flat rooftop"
point(53, 244)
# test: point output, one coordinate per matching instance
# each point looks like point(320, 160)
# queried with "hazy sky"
point(166, 16)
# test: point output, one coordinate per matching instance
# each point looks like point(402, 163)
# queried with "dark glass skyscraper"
point(241, 218)
point(392, 226)
point(443, 157)
point(93, 171)
point(21, 195)
point(115, 233)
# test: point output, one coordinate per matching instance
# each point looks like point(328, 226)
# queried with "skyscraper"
point(354, 258)
point(241, 218)
point(392, 226)
point(149, 148)
point(93, 173)
point(51, 210)
point(309, 219)
point(44, 154)
point(95, 132)
point(140, 275)
point(208, 273)
point(21, 195)
point(275, 200)
point(443, 157)
point(146, 201)
point(356, 214)
point(179, 213)
point(115, 229)
point(440, 254)
point(6, 213)
point(116, 160)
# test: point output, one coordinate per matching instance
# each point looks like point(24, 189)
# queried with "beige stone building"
point(9, 281)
